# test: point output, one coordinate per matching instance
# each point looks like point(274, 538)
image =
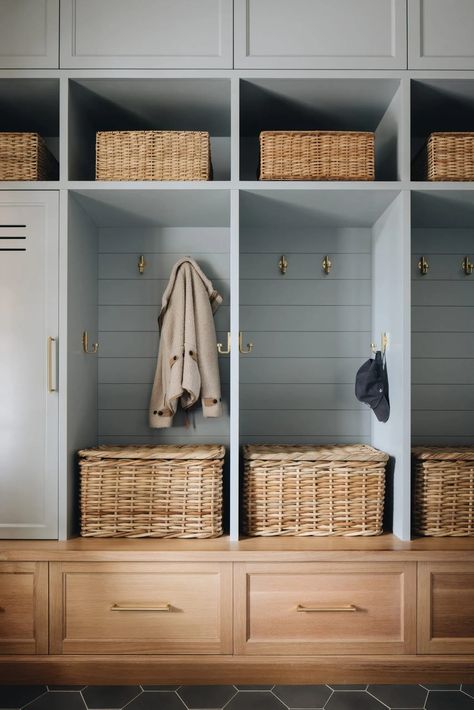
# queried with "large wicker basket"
point(316, 155)
point(153, 155)
point(151, 491)
point(314, 490)
point(450, 157)
point(443, 483)
point(24, 156)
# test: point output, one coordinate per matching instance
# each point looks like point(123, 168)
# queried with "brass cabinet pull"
point(51, 387)
point(249, 346)
point(220, 347)
point(137, 607)
point(343, 607)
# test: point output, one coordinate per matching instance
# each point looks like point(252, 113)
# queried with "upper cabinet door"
point(320, 34)
point(441, 34)
point(146, 34)
point(29, 34)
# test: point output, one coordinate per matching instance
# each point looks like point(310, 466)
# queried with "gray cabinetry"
point(326, 34)
point(29, 34)
point(441, 34)
point(146, 33)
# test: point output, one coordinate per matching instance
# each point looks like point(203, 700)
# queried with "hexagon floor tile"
point(109, 697)
point(303, 696)
point(399, 696)
point(197, 697)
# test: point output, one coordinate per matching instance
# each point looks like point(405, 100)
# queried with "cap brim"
point(382, 410)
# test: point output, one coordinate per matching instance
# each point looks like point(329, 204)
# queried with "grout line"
point(34, 699)
point(375, 698)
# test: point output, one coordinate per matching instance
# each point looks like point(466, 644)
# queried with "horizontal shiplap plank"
point(305, 266)
point(443, 293)
point(170, 439)
point(132, 396)
point(304, 439)
point(147, 292)
point(442, 241)
point(443, 345)
point(308, 370)
point(434, 371)
point(178, 241)
point(307, 292)
point(435, 440)
point(298, 397)
point(159, 266)
point(443, 397)
point(311, 318)
point(317, 423)
point(454, 319)
point(139, 344)
point(441, 266)
point(307, 241)
point(135, 423)
point(304, 344)
point(443, 423)
point(141, 370)
point(145, 318)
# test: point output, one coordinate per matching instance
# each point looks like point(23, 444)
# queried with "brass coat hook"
point(220, 347)
point(467, 266)
point(141, 264)
point(249, 346)
point(383, 344)
point(85, 344)
point(423, 266)
point(283, 264)
point(326, 265)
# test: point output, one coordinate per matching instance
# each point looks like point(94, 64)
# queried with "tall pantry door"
point(28, 364)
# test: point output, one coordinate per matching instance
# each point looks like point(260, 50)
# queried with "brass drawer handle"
point(343, 607)
point(137, 607)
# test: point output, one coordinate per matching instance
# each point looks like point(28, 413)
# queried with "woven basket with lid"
point(314, 490)
point(443, 491)
point(151, 491)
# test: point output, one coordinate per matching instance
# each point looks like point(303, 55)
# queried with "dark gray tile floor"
point(238, 697)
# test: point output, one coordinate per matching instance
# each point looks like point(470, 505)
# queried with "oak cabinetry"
point(23, 607)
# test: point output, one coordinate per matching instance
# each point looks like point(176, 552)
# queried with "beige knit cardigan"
point(187, 366)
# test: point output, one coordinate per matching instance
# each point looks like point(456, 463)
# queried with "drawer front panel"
point(141, 608)
point(29, 34)
point(23, 607)
point(325, 608)
point(445, 607)
point(441, 34)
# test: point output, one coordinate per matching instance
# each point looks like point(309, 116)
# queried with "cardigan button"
point(155, 412)
point(214, 401)
point(160, 414)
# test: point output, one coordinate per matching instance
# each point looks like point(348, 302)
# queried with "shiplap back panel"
point(443, 338)
point(311, 332)
point(129, 304)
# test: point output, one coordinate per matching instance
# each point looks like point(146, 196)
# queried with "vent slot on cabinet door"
point(10, 242)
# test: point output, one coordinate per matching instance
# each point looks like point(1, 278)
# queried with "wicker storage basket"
point(450, 157)
point(314, 490)
point(443, 503)
point(153, 155)
point(24, 156)
point(316, 155)
point(151, 491)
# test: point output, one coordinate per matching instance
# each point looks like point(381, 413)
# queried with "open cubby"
point(178, 104)
point(322, 104)
point(442, 319)
point(31, 105)
point(108, 393)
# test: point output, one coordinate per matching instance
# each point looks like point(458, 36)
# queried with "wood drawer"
point(445, 607)
point(155, 608)
point(325, 608)
point(23, 607)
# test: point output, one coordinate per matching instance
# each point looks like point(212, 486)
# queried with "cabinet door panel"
point(445, 607)
point(441, 34)
point(317, 34)
point(23, 607)
point(28, 410)
point(29, 34)
point(146, 33)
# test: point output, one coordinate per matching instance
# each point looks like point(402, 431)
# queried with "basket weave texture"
point(151, 491)
point(317, 155)
point(443, 491)
point(24, 156)
point(314, 490)
point(153, 155)
point(450, 157)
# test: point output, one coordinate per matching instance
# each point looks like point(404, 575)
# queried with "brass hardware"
point(85, 344)
point(467, 266)
point(220, 347)
point(283, 264)
point(51, 388)
point(326, 265)
point(383, 344)
point(141, 264)
point(249, 346)
point(423, 266)
point(137, 607)
point(311, 609)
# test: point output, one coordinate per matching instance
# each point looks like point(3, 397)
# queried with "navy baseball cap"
point(371, 386)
